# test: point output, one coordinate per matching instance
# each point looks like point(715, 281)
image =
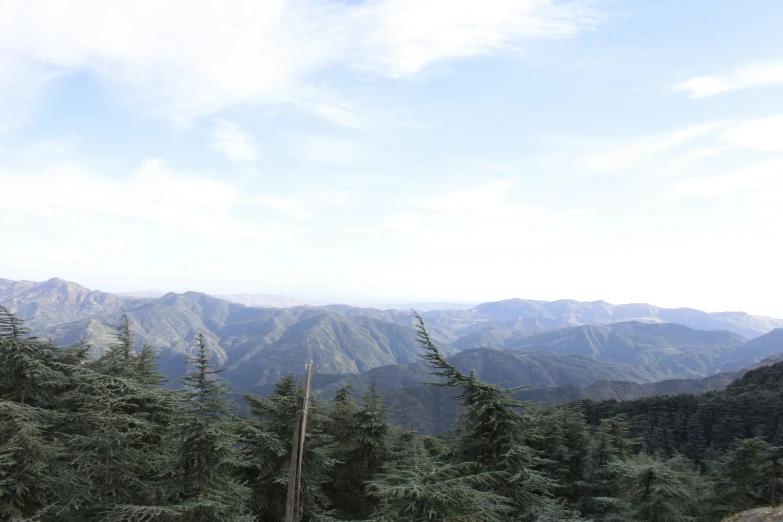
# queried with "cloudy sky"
point(624, 150)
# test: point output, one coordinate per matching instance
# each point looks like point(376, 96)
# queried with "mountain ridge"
point(259, 345)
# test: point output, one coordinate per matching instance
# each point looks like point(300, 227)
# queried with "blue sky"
point(630, 151)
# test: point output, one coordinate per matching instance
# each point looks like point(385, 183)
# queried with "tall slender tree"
point(209, 457)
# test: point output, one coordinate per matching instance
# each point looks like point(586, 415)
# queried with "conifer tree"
point(209, 459)
point(416, 486)
point(120, 419)
point(111, 445)
point(493, 435)
point(661, 491)
point(739, 477)
point(563, 438)
point(34, 377)
point(11, 326)
point(602, 489)
point(119, 359)
point(361, 446)
point(29, 478)
point(268, 436)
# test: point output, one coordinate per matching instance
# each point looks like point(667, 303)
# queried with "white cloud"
point(317, 149)
point(753, 177)
point(410, 35)
point(343, 117)
point(229, 139)
point(635, 153)
point(301, 206)
point(154, 193)
point(483, 217)
point(759, 75)
point(183, 59)
point(764, 134)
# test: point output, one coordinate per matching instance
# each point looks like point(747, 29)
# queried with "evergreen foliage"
point(268, 438)
point(209, 485)
point(105, 440)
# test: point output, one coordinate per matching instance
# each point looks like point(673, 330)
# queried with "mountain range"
point(543, 344)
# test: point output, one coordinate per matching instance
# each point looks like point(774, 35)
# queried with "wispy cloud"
point(319, 149)
point(229, 139)
point(764, 134)
point(242, 51)
point(752, 177)
point(68, 192)
point(409, 35)
point(752, 76)
point(635, 153)
point(343, 117)
point(483, 216)
point(303, 206)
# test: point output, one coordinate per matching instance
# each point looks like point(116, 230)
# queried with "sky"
point(622, 150)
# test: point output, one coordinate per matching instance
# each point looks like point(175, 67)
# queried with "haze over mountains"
point(537, 343)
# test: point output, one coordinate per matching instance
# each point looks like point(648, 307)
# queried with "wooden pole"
point(297, 450)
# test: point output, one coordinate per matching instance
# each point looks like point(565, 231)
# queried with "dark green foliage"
point(11, 326)
point(493, 435)
point(416, 486)
point(208, 455)
point(747, 476)
point(660, 491)
point(360, 434)
point(268, 437)
point(104, 440)
point(28, 460)
point(705, 426)
point(116, 440)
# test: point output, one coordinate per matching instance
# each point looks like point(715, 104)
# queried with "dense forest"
point(107, 439)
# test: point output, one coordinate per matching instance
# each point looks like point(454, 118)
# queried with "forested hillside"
point(102, 439)
point(702, 426)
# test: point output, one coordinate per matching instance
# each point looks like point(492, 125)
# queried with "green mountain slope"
point(671, 349)
point(429, 408)
point(624, 391)
point(698, 426)
point(256, 345)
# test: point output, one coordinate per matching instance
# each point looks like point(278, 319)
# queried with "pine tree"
point(415, 486)
point(119, 359)
point(34, 378)
point(32, 371)
point(29, 470)
point(120, 420)
point(562, 436)
point(739, 477)
point(361, 446)
point(268, 435)
point(661, 491)
point(209, 459)
point(493, 436)
point(113, 446)
point(11, 326)
point(773, 475)
point(602, 489)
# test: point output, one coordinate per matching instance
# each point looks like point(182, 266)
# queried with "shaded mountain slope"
point(430, 409)
point(672, 349)
point(701, 426)
point(256, 345)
